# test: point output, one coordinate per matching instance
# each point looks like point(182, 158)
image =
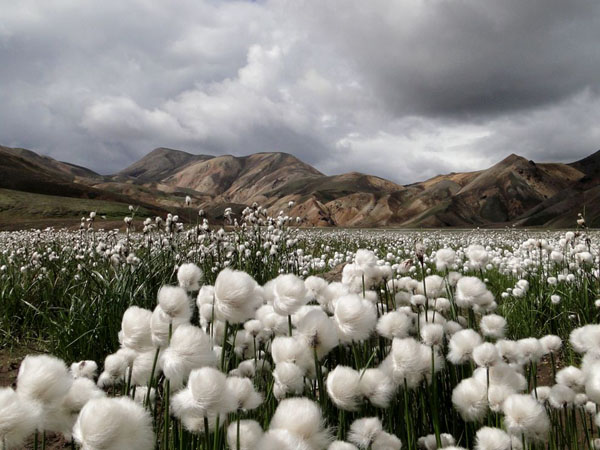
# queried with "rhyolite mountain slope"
point(515, 191)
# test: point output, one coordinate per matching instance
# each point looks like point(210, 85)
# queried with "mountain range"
point(513, 192)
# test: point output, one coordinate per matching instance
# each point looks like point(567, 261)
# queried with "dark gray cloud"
point(401, 89)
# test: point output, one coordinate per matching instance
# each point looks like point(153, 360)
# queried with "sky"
point(403, 89)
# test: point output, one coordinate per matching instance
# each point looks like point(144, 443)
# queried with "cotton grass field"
point(265, 336)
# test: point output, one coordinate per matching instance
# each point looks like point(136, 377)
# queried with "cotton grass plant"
point(215, 339)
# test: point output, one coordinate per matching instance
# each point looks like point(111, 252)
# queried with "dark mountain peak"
point(590, 165)
point(512, 159)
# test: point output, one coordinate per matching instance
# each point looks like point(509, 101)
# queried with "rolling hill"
point(515, 191)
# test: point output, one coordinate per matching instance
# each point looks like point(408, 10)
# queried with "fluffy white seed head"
point(386, 441)
point(343, 387)
point(493, 326)
point(289, 379)
point(189, 276)
point(114, 423)
point(135, 329)
point(355, 318)
point(319, 332)
point(281, 439)
point(432, 334)
point(190, 348)
point(44, 379)
point(208, 388)
point(551, 343)
point(341, 445)
point(395, 324)
point(572, 377)
point(250, 433)
point(486, 355)
point(364, 431)
point(429, 442)
point(20, 417)
point(242, 392)
point(470, 399)
point(488, 438)
point(301, 417)
point(174, 302)
point(290, 294)
point(525, 416)
point(84, 369)
point(162, 323)
point(462, 344)
point(376, 386)
point(236, 295)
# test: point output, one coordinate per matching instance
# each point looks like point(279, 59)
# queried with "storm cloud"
point(402, 89)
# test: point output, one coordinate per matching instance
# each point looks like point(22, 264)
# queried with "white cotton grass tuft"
point(174, 302)
point(395, 324)
point(115, 366)
point(471, 291)
point(20, 418)
point(292, 349)
point(236, 295)
point(355, 318)
point(523, 415)
point(551, 343)
point(343, 387)
point(136, 333)
point(290, 294)
point(60, 418)
point(364, 431)
point(114, 423)
point(242, 393)
point(189, 276)
point(141, 368)
point(386, 441)
point(377, 387)
point(341, 445)
point(84, 369)
point(289, 379)
point(585, 339)
point(429, 442)
point(493, 326)
point(561, 396)
point(318, 331)
point(250, 433)
point(190, 348)
point(161, 324)
point(488, 438)
point(469, 398)
point(530, 349)
point(486, 355)
point(572, 377)
point(444, 259)
point(316, 287)
point(208, 388)
point(462, 344)
point(303, 418)
point(432, 334)
point(44, 379)
point(281, 439)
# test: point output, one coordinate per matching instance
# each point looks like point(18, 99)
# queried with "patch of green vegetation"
point(25, 205)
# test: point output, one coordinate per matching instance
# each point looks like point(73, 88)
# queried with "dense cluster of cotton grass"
point(414, 348)
point(482, 339)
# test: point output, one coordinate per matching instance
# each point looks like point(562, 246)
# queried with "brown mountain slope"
point(513, 191)
point(508, 189)
point(240, 179)
point(160, 163)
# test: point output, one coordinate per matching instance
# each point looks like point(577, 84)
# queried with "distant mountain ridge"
point(515, 191)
